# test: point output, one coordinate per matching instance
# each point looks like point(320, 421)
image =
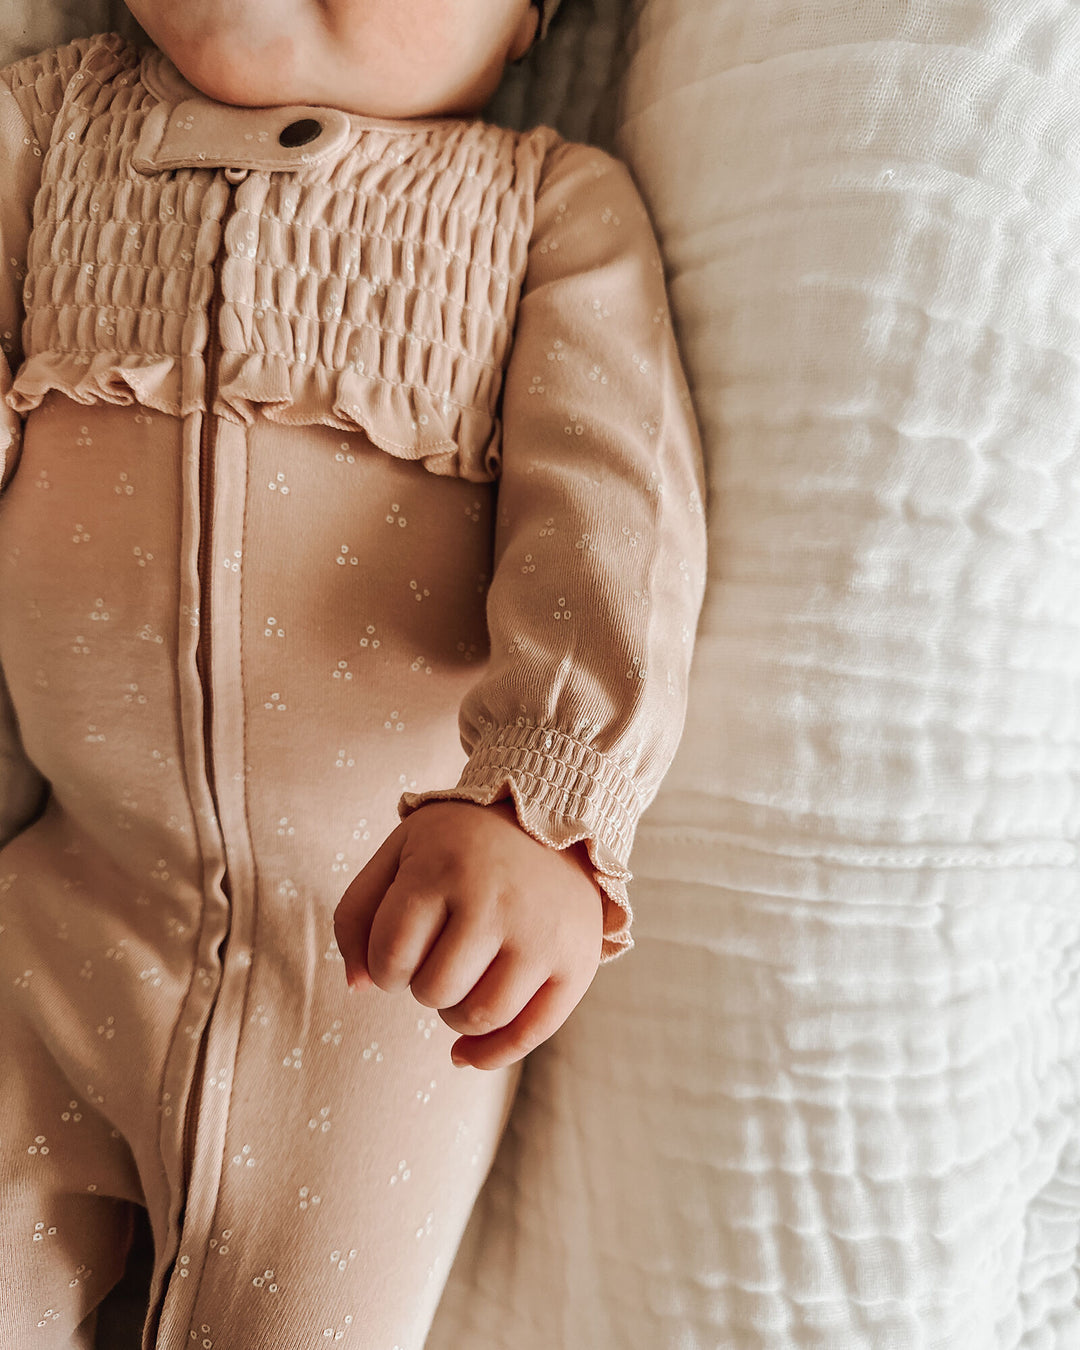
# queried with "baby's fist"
point(499, 933)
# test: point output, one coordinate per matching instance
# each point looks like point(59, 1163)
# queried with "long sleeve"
point(30, 92)
point(600, 545)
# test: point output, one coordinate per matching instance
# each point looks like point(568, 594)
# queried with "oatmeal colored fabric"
point(455, 547)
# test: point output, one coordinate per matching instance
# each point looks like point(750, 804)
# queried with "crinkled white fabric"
point(831, 1099)
point(841, 1066)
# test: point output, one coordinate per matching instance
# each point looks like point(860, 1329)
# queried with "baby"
point(344, 432)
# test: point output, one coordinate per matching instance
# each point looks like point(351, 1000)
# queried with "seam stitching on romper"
point(176, 1033)
point(247, 825)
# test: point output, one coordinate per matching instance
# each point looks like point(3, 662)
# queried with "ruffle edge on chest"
point(407, 422)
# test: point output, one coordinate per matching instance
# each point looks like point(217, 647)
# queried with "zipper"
point(203, 646)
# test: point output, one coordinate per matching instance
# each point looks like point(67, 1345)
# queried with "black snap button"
point(300, 133)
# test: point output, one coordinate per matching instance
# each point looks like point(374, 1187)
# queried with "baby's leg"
point(68, 1190)
point(351, 1167)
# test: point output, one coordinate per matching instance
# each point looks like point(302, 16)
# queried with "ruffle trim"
point(563, 792)
point(404, 421)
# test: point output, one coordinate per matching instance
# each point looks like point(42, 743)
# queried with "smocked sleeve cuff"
point(563, 791)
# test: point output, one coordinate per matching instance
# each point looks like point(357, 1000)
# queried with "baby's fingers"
point(541, 1017)
point(356, 909)
point(405, 928)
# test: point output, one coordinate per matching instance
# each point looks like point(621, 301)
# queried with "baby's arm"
point(21, 786)
point(599, 577)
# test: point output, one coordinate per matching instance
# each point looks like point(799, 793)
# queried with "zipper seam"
point(203, 649)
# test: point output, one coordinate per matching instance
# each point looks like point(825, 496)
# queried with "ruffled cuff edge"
point(563, 792)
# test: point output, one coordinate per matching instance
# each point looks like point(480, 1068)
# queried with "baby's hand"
point(498, 932)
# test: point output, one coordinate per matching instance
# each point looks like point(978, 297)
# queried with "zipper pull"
point(235, 176)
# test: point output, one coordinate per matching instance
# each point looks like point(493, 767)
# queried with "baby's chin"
point(277, 75)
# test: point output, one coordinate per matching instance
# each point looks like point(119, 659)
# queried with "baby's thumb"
point(356, 909)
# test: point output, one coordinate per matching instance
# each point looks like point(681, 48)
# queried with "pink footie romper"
point(346, 464)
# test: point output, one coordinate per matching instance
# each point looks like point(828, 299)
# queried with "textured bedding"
point(831, 1100)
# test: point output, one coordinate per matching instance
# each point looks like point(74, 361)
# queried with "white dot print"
point(278, 484)
point(392, 724)
point(41, 1232)
point(80, 536)
point(420, 663)
point(372, 1051)
point(342, 1260)
point(333, 1036)
point(393, 518)
point(346, 557)
point(338, 1333)
point(244, 1158)
point(562, 613)
point(99, 613)
point(273, 628)
point(342, 671)
point(320, 1124)
point(403, 1173)
point(344, 761)
point(84, 437)
point(274, 703)
point(344, 455)
point(420, 593)
point(39, 1146)
point(307, 1199)
point(369, 639)
point(266, 1281)
point(124, 488)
